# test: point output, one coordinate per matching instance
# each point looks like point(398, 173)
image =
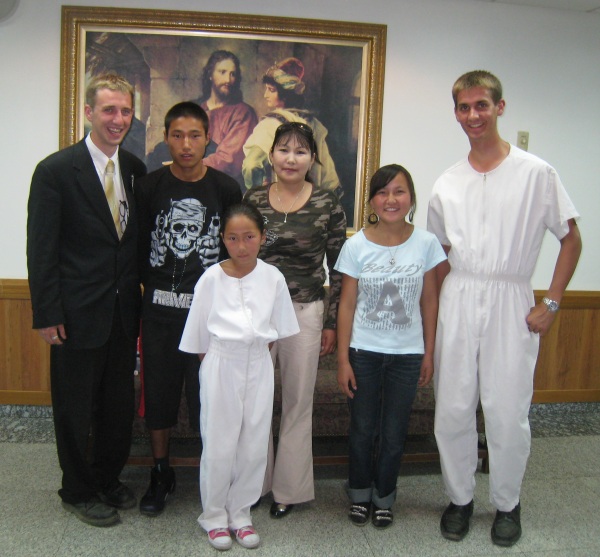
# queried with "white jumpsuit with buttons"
point(233, 321)
point(494, 224)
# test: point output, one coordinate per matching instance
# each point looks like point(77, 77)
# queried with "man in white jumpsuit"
point(490, 212)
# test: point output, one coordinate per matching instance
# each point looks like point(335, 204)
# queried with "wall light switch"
point(523, 140)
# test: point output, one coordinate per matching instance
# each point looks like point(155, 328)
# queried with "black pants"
point(166, 371)
point(93, 391)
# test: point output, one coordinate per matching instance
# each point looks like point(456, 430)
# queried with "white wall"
point(548, 61)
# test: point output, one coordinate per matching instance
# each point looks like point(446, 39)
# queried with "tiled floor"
point(560, 500)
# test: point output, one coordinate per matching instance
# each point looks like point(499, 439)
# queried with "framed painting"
point(337, 68)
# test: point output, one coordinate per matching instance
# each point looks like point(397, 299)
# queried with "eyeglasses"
point(295, 125)
point(123, 215)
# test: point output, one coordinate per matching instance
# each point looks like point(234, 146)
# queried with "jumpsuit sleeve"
point(435, 219)
point(195, 337)
point(283, 319)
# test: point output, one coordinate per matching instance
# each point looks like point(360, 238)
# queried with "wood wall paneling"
point(24, 357)
point(568, 367)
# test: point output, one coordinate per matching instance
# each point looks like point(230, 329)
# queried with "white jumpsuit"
point(494, 223)
point(232, 321)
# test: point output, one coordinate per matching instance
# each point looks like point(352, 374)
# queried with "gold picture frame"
point(161, 51)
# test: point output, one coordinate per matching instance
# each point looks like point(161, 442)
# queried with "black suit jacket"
point(75, 260)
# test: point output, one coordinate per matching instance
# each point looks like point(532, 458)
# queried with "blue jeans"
point(379, 413)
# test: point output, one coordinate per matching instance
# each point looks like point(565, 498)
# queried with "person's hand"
point(328, 342)
point(53, 335)
point(346, 379)
point(426, 371)
point(540, 319)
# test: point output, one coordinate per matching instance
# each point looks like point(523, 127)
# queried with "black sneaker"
point(455, 521)
point(359, 513)
point(93, 512)
point(382, 518)
point(506, 529)
point(162, 484)
point(118, 496)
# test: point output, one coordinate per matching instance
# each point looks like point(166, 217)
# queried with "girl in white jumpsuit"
point(240, 307)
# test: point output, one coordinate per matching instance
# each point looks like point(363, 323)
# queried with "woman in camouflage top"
point(304, 225)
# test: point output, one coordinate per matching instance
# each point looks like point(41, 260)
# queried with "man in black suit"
point(85, 294)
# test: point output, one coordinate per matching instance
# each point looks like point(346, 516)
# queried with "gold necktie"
point(111, 195)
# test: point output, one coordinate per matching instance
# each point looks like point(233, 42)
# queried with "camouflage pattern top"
point(298, 247)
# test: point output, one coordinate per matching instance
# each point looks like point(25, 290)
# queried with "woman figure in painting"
point(284, 95)
point(305, 223)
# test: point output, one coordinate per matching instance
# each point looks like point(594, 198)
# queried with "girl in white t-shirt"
point(386, 333)
point(240, 307)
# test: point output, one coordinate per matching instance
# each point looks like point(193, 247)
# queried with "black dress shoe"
point(279, 510)
point(93, 512)
point(455, 521)
point(118, 496)
point(162, 484)
point(506, 530)
point(256, 504)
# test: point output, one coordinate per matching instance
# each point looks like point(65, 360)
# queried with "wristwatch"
point(551, 305)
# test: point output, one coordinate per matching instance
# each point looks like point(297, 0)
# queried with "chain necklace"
point(173, 287)
point(393, 255)
point(293, 202)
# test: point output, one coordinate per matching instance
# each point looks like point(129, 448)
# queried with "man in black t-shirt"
point(179, 207)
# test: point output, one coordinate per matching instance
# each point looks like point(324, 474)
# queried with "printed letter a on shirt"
point(389, 301)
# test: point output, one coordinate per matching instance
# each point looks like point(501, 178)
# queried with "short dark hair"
point(385, 175)
point(216, 57)
point(186, 109)
point(243, 209)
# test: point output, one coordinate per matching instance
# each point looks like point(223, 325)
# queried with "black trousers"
point(93, 391)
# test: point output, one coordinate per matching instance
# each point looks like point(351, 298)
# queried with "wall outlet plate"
point(523, 140)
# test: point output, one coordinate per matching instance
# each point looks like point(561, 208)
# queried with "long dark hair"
point(216, 57)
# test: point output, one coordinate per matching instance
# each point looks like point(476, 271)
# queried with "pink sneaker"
point(220, 539)
point(247, 537)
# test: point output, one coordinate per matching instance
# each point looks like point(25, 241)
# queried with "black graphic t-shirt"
point(180, 225)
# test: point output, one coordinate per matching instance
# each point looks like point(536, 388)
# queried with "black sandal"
point(359, 513)
point(382, 518)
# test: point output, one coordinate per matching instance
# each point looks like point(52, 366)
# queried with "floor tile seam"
point(566, 477)
point(570, 434)
point(372, 551)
